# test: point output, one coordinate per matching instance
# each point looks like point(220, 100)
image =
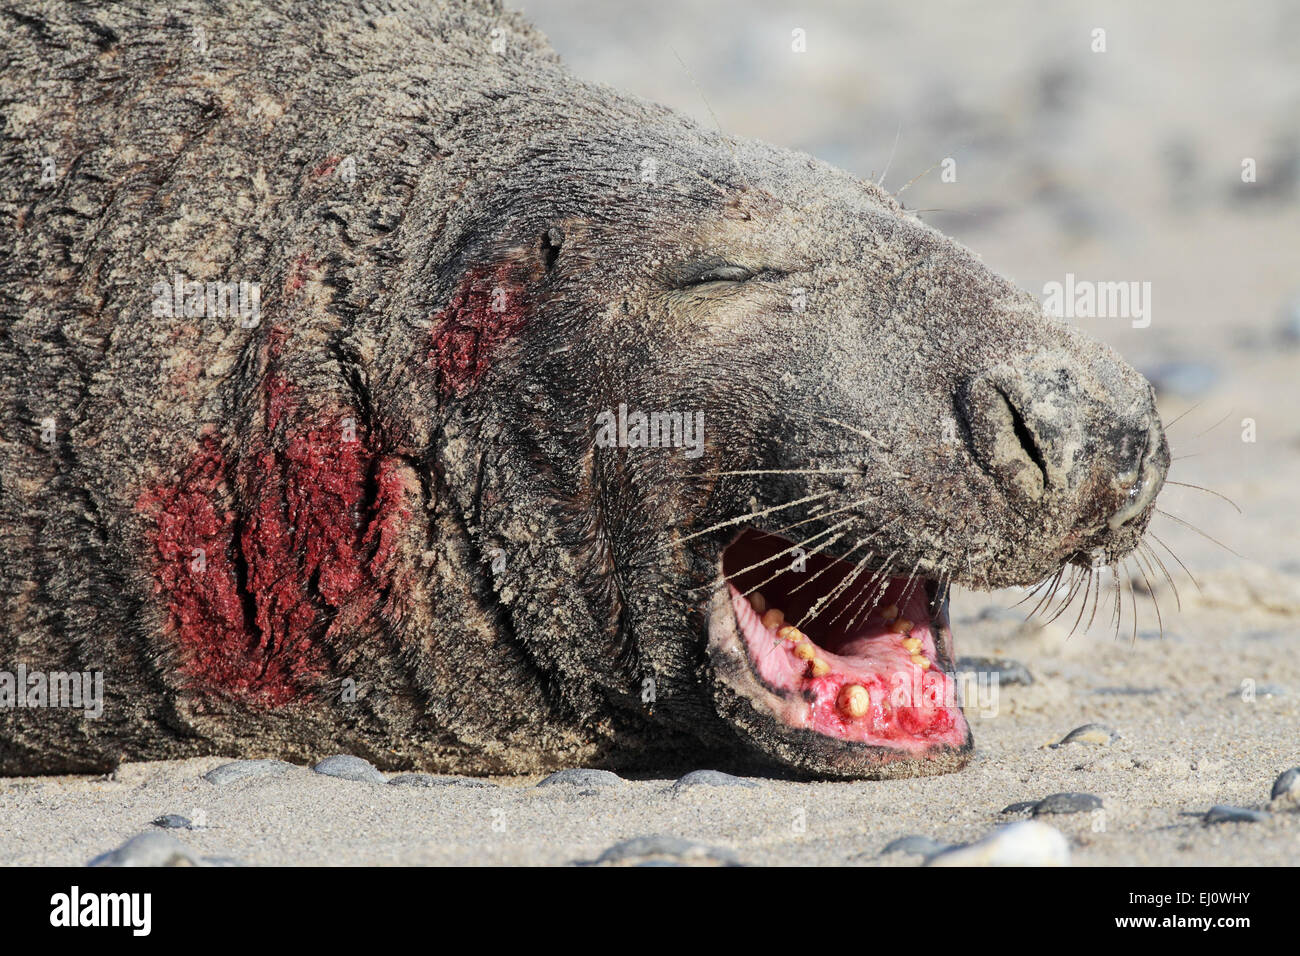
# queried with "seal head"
point(881, 416)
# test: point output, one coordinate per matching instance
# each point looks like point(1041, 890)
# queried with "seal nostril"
point(1140, 494)
point(1008, 438)
point(1143, 485)
point(1028, 443)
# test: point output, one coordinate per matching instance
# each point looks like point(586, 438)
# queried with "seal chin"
point(832, 673)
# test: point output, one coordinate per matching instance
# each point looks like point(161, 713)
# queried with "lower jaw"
point(868, 696)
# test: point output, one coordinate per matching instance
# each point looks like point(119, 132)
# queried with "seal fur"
point(411, 547)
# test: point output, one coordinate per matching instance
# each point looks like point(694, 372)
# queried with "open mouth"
point(832, 670)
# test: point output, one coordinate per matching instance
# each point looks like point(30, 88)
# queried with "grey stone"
point(711, 778)
point(1092, 735)
point(1024, 806)
point(149, 849)
point(350, 768)
point(582, 777)
point(173, 821)
point(245, 770)
point(1226, 814)
point(1286, 790)
point(1068, 803)
point(661, 850)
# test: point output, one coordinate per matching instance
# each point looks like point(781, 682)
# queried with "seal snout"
point(1059, 440)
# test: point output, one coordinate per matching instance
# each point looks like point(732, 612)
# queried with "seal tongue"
point(862, 664)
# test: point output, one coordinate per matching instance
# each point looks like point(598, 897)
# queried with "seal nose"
point(1010, 436)
point(1042, 435)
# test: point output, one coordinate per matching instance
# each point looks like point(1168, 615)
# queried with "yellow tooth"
point(773, 618)
point(921, 661)
point(788, 632)
point(854, 700)
point(758, 603)
point(911, 644)
point(819, 668)
point(890, 613)
point(901, 626)
point(805, 651)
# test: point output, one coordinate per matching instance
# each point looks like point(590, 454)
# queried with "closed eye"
point(723, 273)
point(716, 271)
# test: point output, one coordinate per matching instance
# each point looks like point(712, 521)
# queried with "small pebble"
point(1223, 814)
point(1094, 735)
point(429, 780)
point(664, 851)
point(582, 777)
point(1027, 843)
point(149, 849)
point(916, 845)
point(1286, 790)
point(246, 769)
point(173, 821)
point(711, 778)
point(1068, 803)
point(1024, 806)
point(1007, 671)
point(350, 768)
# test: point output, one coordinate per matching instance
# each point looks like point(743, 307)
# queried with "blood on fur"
point(262, 558)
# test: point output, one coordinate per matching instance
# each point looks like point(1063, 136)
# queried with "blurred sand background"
point(1116, 166)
